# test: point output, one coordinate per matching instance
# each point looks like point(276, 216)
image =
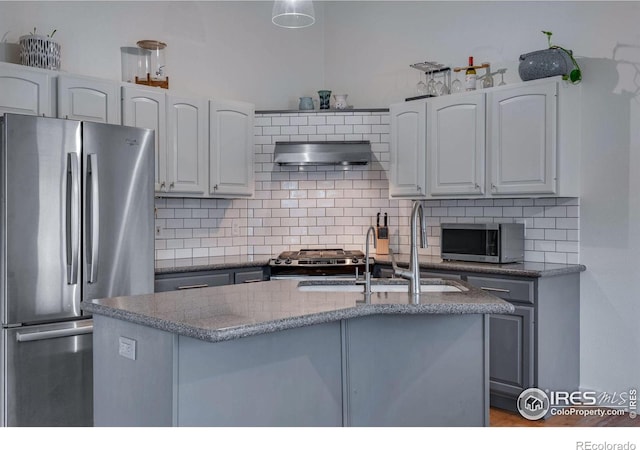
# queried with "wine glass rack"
point(436, 70)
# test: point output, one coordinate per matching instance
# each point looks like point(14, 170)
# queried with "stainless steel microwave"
point(483, 242)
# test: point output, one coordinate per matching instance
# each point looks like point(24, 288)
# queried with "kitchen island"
point(274, 354)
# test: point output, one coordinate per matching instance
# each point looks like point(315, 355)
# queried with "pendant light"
point(293, 13)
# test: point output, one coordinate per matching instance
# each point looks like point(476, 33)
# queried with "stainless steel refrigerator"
point(76, 223)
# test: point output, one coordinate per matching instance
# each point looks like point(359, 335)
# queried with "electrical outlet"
point(127, 348)
point(158, 230)
point(235, 227)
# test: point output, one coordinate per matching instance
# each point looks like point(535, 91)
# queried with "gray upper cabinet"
point(520, 140)
point(407, 177)
point(231, 149)
point(25, 90)
point(187, 156)
point(90, 99)
point(456, 145)
point(182, 129)
point(146, 108)
point(522, 146)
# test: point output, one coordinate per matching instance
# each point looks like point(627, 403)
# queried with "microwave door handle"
point(72, 218)
point(93, 217)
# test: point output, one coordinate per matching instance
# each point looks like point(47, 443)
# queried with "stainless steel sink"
point(380, 285)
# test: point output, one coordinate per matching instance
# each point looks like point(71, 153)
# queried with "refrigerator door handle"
point(73, 218)
point(93, 214)
point(29, 336)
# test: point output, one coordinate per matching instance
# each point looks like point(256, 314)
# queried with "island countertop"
point(236, 311)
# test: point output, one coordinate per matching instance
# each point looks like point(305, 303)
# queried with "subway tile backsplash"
point(333, 207)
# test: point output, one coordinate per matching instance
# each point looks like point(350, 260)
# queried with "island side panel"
point(286, 378)
point(132, 392)
point(422, 370)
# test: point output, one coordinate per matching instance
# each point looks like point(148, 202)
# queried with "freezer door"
point(40, 219)
point(118, 216)
point(48, 375)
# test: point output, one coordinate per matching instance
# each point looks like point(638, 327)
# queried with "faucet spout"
point(367, 274)
point(413, 274)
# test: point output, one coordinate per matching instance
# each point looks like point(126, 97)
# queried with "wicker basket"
point(39, 51)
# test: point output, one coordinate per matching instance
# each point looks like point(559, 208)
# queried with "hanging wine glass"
point(487, 81)
point(431, 85)
point(422, 87)
point(456, 86)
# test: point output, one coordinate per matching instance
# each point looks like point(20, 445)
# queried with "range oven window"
point(470, 242)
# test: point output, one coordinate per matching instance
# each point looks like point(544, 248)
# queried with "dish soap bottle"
point(470, 76)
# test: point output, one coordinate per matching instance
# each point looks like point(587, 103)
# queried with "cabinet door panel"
point(231, 149)
point(187, 155)
point(146, 108)
point(24, 92)
point(408, 150)
point(82, 98)
point(522, 123)
point(455, 152)
point(511, 351)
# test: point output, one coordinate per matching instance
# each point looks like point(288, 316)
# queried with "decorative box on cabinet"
point(26, 90)
point(86, 98)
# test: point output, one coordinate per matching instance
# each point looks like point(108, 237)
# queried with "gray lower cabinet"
point(209, 278)
point(536, 346)
point(511, 351)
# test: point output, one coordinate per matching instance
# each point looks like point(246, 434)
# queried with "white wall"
point(231, 50)
point(220, 49)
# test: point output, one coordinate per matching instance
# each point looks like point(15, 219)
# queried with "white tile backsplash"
point(329, 206)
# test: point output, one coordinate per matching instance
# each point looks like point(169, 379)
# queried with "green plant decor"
point(33, 33)
point(575, 76)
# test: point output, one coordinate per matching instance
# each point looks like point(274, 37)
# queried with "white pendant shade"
point(293, 13)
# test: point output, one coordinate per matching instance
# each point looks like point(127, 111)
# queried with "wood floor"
point(502, 418)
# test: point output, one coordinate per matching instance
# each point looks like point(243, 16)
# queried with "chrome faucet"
point(413, 274)
point(367, 273)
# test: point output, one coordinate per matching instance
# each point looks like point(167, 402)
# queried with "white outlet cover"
point(127, 348)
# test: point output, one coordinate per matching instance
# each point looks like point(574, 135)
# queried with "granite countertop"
point(236, 311)
point(525, 269)
point(182, 265)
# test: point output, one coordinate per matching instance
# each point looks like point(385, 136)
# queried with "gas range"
point(318, 262)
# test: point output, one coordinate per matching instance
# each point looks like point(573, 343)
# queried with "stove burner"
point(318, 262)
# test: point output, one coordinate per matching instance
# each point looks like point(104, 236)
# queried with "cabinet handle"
point(477, 187)
point(419, 189)
point(490, 289)
point(171, 186)
point(215, 187)
point(493, 187)
point(257, 280)
point(193, 286)
point(162, 185)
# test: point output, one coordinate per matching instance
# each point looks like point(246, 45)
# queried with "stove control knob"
point(277, 261)
point(354, 260)
point(287, 261)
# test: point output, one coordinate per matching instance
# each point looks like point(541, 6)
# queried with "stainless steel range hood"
point(322, 153)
